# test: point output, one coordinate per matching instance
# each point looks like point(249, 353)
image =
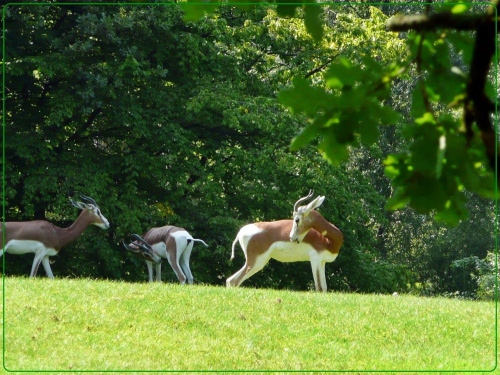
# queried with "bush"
point(487, 279)
point(363, 272)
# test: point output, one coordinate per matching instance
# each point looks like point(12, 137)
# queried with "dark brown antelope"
point(308, 237)
point(173, 243)
point(44, 239)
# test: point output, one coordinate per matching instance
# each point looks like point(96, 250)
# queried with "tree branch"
point(85, 126)
point(445, 20)
point(477, 106)
point(484, 50)
point(320, 68)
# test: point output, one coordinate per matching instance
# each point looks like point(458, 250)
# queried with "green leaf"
point(392, 166)
point(426, 193)
point(398, 200)
point(385, 114)
point(417, 102)
point(313, 22)
point(426, 118)
point(196, 11)
point(454, 210)
point(333, 151)
point(287, 10)
point(368, 131)
point(463, 43)
point(304, 98)
point(440, 155)
point(348, 125)
point(424, 151)
point(343, 73)
point(459, 9)
point(311, 131)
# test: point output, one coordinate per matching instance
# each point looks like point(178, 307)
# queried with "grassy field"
point(94, 325)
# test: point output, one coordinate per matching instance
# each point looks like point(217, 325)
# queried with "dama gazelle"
point(45, 239)
point(308, 237)
point(173, 243)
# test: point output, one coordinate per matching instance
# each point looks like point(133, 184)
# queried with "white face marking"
point(105, 223)
point(298, 217)
point(297, 220)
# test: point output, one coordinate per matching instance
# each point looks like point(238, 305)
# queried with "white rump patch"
point(181, 238)
point(247, 232)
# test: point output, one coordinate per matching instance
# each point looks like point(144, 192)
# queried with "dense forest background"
point(164, 120)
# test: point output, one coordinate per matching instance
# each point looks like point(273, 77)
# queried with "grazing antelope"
point(45, 239)
point(308, 237)
point(173, 243)
point(142, 249)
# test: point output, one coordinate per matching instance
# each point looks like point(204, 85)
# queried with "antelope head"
point(140, 247)
point(302, 220)
point(92, 207)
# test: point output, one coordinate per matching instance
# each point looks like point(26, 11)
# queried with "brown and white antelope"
point(44, 239)
point(173, 243)
point(308, 237)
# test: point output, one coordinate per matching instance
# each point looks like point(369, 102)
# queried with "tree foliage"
point(452, 150)
point(165, 119)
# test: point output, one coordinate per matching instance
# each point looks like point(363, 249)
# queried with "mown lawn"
point(68, 324)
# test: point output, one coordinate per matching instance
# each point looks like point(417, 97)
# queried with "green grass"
point(92, 325)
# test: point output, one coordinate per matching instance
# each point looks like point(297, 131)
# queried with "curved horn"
point(138, 247)
point(143, 245)
point(296, 205)
point(143, 248)
point(138, 238)
point(128, 247)
point(89, 200)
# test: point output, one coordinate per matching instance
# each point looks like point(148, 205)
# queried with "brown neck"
point(330, 231)
point(70, 234)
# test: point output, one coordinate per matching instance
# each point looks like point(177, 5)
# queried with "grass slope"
point(65, 325)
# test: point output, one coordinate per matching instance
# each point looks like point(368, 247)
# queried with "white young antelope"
point(44, 239)
point(173, 243)
point(308, 237)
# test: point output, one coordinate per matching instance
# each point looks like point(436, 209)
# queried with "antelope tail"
point(198, 240)
point(232, 248)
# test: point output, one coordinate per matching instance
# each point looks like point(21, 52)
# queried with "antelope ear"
point(315, 203)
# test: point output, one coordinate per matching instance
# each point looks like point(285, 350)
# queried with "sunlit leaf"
point(398, 200)
point(459, 9)
point(440, 155)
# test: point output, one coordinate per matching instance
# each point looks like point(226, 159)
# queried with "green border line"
point(120, 3)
